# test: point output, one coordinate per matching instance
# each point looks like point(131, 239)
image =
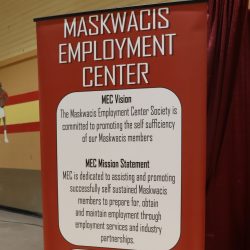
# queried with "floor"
point(18, 231)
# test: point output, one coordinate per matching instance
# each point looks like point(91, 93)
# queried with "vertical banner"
point(123, 114)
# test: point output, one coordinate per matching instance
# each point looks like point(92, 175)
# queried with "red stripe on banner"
point(27, 97)
point(21, 128)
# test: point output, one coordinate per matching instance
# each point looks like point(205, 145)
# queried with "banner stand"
point(123, 127)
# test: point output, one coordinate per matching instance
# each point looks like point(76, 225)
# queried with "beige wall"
point(21, 189)
point(23, 151)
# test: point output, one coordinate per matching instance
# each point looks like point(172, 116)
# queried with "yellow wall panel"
point(21, 77)
point(22, 113)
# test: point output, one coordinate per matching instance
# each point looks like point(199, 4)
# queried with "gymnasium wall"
point(20, 158)
point(20, 175)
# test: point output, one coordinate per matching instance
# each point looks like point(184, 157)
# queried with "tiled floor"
point(18, 231)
